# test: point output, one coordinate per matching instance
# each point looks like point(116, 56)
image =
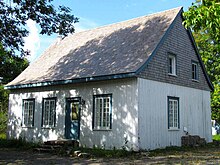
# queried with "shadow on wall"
point(36, 133)
point(124, 111)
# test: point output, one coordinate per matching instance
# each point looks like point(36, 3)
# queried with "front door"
point(72, 120)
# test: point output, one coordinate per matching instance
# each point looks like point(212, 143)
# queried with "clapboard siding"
point(153, 121)
point(125, 114)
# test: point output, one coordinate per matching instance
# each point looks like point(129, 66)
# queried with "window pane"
point(102, 112)
point(28, 112)
point(49, 112)
point(173, 113)
point(74, 111)
point(172, 64)
point(194, 71)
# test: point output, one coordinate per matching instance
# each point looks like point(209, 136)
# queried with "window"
point(102, 114)
point(28, 113)
point(171, 64)
point(195, 71)
point(49, 112)
point(173, 113)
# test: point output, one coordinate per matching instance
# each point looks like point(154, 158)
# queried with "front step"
point(53, 146)
point(71, 143)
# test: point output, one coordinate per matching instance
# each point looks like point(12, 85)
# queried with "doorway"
point(72, 119)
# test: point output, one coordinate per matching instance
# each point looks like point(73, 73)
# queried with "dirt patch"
point(199, 156)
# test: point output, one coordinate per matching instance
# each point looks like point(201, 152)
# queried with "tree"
point(10, 67)
point(203, 18)
point(3, 109)
point(13, 19)
point(15, 13)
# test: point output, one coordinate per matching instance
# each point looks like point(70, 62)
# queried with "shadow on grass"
point(17, 143)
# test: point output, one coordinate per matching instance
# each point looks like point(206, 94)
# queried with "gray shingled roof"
point(119, 48)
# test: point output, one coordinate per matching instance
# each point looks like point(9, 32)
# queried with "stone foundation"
point(192, 141)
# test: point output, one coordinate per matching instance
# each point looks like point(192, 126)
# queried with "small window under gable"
point(195, 75)
point(171, 64)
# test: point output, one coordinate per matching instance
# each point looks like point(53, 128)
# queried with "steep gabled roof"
point(113, 51)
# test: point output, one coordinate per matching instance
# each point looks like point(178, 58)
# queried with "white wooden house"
point(139, 83)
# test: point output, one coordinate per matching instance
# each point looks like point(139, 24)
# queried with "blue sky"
point(95, 13)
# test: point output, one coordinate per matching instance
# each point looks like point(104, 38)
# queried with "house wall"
point(194, 108)
point(178, 42)
point(124, 113)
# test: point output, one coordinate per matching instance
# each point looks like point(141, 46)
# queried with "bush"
point(216, 137)
point(3, 109)
point(3, 122)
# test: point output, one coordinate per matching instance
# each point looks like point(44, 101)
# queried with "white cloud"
point(85, 24)
point(37, 43)
point(32, 42)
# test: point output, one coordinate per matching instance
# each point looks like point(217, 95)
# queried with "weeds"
point(17, 143)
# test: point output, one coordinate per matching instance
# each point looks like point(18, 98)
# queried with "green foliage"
point(10, 65)
point(2, 135)
point(216, 137)
point(3, 122)
point(204, 20)
point(3, 109)
point(15, 13)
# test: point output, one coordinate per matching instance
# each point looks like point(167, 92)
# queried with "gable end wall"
point(177, 42)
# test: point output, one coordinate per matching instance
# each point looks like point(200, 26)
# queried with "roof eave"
point(71, 81)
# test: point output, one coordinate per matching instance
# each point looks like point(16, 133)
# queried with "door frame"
point(68, 101)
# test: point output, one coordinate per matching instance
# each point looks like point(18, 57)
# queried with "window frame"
point(173, 71)
point(94, 126)
point(23, 112)
point(194, 74)
point(43, 113)
point(176, 99)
